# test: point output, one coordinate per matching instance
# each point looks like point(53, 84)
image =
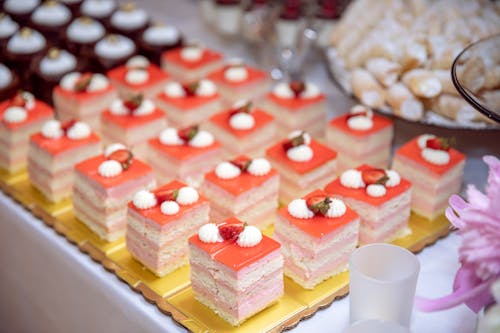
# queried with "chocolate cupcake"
point(129, 21)
point(20, 11)
point(9, 83)
point(112, 51)
point(157, 39)
point(81, 37)
point(49, 69)
point(100, 10)
point(73, 5)
point(51, 18)
point(21, 48)
point(8, 28)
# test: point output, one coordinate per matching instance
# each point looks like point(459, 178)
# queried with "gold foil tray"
point(172, 294)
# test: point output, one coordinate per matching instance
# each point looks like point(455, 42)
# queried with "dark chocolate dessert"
point(9, 83)
point(130, 21)
point(112, 51)
point(81, 37)
point(51, 18)
point(157, 39)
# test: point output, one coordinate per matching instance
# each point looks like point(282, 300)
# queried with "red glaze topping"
point(230, 254)
point(130, 121)
point(221, 119)
point(322, 154)
point(319, 225)
point(156, 75)
point(209, 56)
point(379, 123)
point(187, 102)
point(40, 111)
point(83, 95)
point(182, 152)
point(412, 151)
point(254, 75)
point(57, 146)
point(155, 215)
point(90, 168)
point(336, 188)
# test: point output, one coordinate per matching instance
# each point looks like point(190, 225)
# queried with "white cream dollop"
point(360, 123)
point(98, 82)
point(175, 90)
point(337, 208)
point(29, 100)
point(259, 167)
point(311, 91)
point(352, 179)
point(376, 190)
point(283, 90)
point(300, 153)
point(202, 139)
point(187, 196)
point(422, 140)
point(15, 115)
point(112, 148)
point(118, 108)
point(227, 170)
point(137, 62)
point(137, 76)
point(169, 207)
point(298, 209)
point(206, 88)
point(110, 168)
point(242, 121)
point(359, 108)
point(209, 233)
point(250, 236)
point(78, 131)
point(144, 200)
point(296, 133)
point(170, 137)
point(52, 129)
point(436, 156)
point(394, 178)
point(191, 53)
point(236, 74)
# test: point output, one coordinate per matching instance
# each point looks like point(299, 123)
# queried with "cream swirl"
point(15, 115)
point(298, 209)
point(242, 121)
point(170, 137)
point(137, 76)
point(259, 167)
point(187, 196)
point(376, 190)
point(52, 129)
point(110, 168)
point(436, 156)
point(360, 123)
point(144, 200)
point(174, 90)
point(337, 208)
point(283, 90)
point(300, 153)
point(202, 139)
point(227, 170)
point(78, 131)
point(169, 207)
point(209, 233)
point(352, 179)
point(394, 178)
point(191, 53)
point(206, 88)
point(249, 237)
point(112, 148)
point(236, 74)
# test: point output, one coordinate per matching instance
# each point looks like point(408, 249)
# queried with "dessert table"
point(48, 285)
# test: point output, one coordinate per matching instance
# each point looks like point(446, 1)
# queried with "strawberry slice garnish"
point(374, 176)
point(133, 102)
point(231, 231)
point(122, 156)
point(294, 142)
point(440, 143)
point(319, 204)
point(298, 87)
point(83, 82)
point(190, 88)
point(188, 133)
point(166, 195)
point(18, 100)
point(241, 162)
point(358, 114)
point(67, 125)
point(247, 108)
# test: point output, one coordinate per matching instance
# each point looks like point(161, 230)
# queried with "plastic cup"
point(383, 278)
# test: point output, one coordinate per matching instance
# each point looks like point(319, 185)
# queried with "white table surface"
point(48, 285)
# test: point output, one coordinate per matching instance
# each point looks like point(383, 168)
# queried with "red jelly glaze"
point(82, 96)
point(40, 111)
point(130, 121)
point(379, 123)
point(182, 152)
point(58, 146)
point(294, 104)
point(187, 103)
point(221, 119)
point(156, 75)
point(208, 57)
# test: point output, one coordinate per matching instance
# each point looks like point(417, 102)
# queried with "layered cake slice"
point(235, 270)
point(138, 75)
point(317, 235)
point(243, 129)
point(160, 222)
point(104, 185)
point(189, 104)
point(361, 137)
point(237, 81)
point(83, 96)
point(53, 153)
point(380, 197)
point(21, 116)
point(191, 62)
point(303, 164)
point(132, 121)
point(185, 154)
point(245, 188)
point(434, 168)
point(297, 105)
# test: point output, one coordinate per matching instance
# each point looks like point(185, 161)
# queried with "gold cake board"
point(172, 294)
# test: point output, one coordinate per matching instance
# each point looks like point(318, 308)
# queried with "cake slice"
point(132, 121)
point(303, 164)
point(103, 186)
point(245, 188)
point(361, 137)
point(138, 76)
point(434, 168)
point(191, 62)
point(160, 222)
point(53, 153)
point(235, 270)
point(297, 105)
point(380, 197)
point(189, 104)
point(22, 116)
point(317, 235)
point(83, 96)
point(243, 129)
point(185, 154)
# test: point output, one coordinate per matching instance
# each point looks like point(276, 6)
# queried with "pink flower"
point(478, 222)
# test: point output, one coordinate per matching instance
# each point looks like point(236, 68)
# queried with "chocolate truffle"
point(8, 28)
point(129, 21)
point(20, 11)
point(81, 37)
point(9, 83)
point(51, 18)
point(112, 51)
point(73, 5)
point(100, 10)
point(157, 39)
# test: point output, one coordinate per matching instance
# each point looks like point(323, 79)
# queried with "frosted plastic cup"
point(376, 326)
point(383, 278)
